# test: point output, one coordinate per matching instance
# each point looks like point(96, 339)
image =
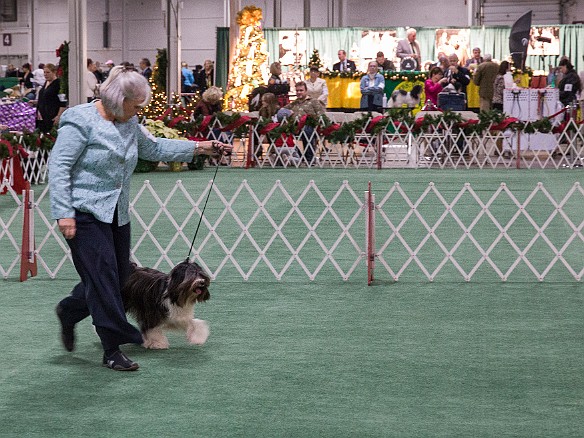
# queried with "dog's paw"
point(158, 342)
point(198, 332)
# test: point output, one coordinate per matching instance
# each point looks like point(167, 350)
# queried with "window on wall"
point(8, 10)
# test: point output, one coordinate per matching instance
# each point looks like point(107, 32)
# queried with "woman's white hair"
point(123, 83)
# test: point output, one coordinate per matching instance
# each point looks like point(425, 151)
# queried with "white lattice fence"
point(311, 231)
point(447, 145)
point(467, 233)
point(10, 229)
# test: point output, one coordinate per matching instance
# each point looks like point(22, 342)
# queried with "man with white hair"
point(484, 77)
point(409, 47)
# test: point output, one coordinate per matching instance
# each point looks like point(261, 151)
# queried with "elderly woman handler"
point(89, 176)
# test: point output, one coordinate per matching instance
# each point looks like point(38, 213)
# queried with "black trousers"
point(101, 254)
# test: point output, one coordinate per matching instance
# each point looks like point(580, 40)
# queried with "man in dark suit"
point(409, 47)
point(344, 64)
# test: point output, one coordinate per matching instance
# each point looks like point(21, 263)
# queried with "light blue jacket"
point(375, 88)
point(93, 159)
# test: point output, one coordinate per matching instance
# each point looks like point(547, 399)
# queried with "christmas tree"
point(158, 104)
point(250, 61)
point(315, 60)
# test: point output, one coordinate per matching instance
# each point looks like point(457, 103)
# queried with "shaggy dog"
point(401, 98)
point(161, 301)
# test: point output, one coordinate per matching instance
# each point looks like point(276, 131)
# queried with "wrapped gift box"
point(17, 115)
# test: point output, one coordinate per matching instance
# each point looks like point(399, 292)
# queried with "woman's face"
point(437, 76)
point(372, 67)
point(314, 75)
point(49, 74)
point(131, 108)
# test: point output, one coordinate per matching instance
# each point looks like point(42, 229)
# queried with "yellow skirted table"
point(346, 93)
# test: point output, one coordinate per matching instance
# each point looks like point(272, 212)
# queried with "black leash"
point(202, 212)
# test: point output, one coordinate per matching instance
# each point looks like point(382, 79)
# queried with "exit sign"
point(6, 39)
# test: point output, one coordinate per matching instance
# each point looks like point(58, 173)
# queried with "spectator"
point(409, 47)
point(90, 85)
point(457, 76)
point(503, 80)
point(210, 102)
point(277, 85)
point(372, 88)
point(434, 84)
point(98, 72)
point(344, 64)
point(146, 68)
point(50, 105)
point(304, 105)
point(268, 110)
point(187, 79)
point(199, 76)
point(443, 63)
point(109, 64)
point(484, 77)
point(269, 106)
point(26, 84)
point(316, 86)
point(570, 84)
point(383, 63)
point(476, 58)
point(11, 71)
point(209, 68)
point(38, 76)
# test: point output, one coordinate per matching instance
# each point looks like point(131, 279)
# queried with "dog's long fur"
point(162, 301)
point(410, 99)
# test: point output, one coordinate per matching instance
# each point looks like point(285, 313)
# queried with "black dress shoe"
point(119, 362)
point(67, 331)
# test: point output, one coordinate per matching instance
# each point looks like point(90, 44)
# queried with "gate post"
point(28, 262)
point(370, 233)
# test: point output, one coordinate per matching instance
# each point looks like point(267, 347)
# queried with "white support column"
point(173, 34)
point(277, 13)
point(77, 49)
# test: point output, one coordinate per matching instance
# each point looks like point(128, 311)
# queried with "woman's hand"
point(214, 148)
point(68, 227)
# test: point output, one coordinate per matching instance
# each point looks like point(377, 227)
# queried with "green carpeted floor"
point(327, 358)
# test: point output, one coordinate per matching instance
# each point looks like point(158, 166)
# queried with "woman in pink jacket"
point(434, 84)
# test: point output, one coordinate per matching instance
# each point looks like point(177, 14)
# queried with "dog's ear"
point(416, 91)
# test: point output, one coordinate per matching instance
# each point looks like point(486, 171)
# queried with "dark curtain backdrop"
point(222, 57)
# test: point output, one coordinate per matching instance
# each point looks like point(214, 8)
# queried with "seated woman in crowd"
point(26, 82)
point(277, 85)
point(269, 106)
point(210, 102)
point(372, 88)
point(316, 87)
point(434, 84)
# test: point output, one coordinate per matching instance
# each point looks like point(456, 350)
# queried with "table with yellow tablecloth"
point(346, 92)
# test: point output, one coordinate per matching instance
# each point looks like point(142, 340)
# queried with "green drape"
point(493, 40)
point(222, 57)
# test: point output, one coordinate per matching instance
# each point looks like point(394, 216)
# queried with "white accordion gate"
point(314, 232)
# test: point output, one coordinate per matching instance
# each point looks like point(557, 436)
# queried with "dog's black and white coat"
point(162, 301)
point(401, 98)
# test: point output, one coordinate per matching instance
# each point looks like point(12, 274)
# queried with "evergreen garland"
point(63, 68)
